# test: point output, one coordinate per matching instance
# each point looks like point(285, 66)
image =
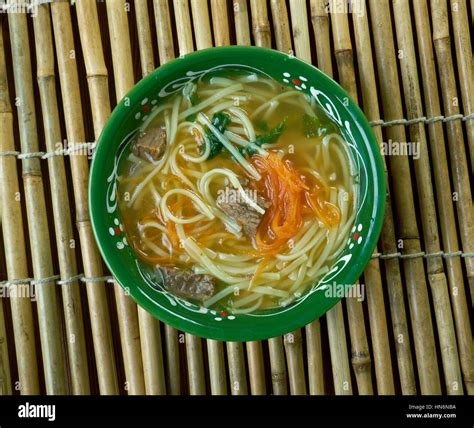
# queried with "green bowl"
point(137, 280)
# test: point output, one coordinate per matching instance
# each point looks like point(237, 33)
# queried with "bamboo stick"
point(5, 375)
point(97, 74)
point(150, 333)
point(335, 319)
point(217, 378)
point(436, 274)
point(460, 170)
point(462, 41)
point(120, 47)
point(172, 368)
point(183, 22)
point(76, 343)
point(343, 53)
point(14, 243)
point(260, 24)
point(145, 45)
point(237, 374)
point(130, 341)
point(241, 18)
point(388, 243)
point(378, 329)
point(220, 22)
point(164, 34)
point(294, 356)
point(409, 235)
point(256, 368)
point(299, 23)
point(126, 308)
point(361, 361)
point(96, 295)
point(338, 349)
point(444, 195)
point(278, 366)
point(315, 358)
point(320, 21)
point(166, 53)
point(47, 303)
point(216, 365)
point(201, 23)
point(152, 353)
point(281, 26)
point(197, 381)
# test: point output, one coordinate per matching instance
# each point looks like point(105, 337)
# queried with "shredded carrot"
point(291, 199)
point(284, 188)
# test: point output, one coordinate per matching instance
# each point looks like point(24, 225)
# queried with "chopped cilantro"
point(220, 121)
point(269, 138)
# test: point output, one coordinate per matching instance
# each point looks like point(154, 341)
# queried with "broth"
point(251, 190)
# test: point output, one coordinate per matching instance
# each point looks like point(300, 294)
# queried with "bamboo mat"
point(408, 64)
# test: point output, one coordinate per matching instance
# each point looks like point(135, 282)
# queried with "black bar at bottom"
point(19, 411)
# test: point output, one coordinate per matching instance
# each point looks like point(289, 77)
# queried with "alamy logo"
point(44, 411)
point(234, 196)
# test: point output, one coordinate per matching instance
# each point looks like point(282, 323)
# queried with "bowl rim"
point(357, 266)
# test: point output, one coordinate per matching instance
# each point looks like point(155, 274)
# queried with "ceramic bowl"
point(138, 280)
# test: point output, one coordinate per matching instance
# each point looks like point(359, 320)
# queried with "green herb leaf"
point(270, 137)
point(311, 125)
point(273, 135)
point(262, 125)
point(194, 98)
point(316, 127)
point(220, 121)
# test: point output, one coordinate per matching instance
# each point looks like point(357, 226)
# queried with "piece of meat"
point(232, 203)
point(186, 284)
point(150, 144)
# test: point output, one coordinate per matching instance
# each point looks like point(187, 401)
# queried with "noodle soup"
point(239, 192)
